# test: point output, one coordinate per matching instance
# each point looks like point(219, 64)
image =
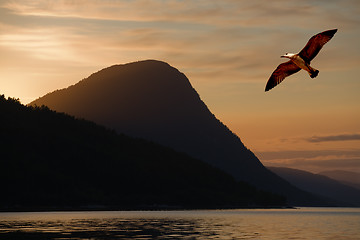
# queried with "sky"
point(228, 50)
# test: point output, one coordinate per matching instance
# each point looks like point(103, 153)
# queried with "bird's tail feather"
point(313, 72)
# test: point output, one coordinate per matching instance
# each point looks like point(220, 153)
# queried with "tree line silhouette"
point(51, 160)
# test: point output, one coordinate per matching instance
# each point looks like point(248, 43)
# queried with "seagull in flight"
point(300, 60)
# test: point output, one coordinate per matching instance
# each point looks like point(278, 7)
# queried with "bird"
point(300, 60)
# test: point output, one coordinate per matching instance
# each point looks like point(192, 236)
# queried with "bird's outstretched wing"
point(315, 44)
point(281, 72)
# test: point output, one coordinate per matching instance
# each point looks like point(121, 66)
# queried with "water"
point(304, 223)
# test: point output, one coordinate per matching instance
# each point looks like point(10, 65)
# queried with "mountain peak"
point(147, 99)
point(155, 101)
point(145, 72)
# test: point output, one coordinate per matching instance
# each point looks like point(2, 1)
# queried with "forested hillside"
point(51, 160)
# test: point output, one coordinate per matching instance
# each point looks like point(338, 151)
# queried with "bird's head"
point(288, 55)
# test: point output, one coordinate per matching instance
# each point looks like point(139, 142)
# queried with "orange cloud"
point(224, 13)
point(314, 161)
point(336, 138)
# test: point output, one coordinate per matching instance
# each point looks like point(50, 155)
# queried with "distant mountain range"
point(52, 161)
point(152, 100)
point(345, 177)
point(321, 185)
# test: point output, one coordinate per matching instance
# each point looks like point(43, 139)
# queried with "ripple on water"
point(227, 224)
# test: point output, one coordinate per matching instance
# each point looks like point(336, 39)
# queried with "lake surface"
point(302, 223)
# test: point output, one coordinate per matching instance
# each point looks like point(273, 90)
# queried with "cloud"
point(313, 160)
point(330, 138)
point(134, 10)
point(308, 154)
point(42, 44)
point(210, 32)
point(210, 41)
point(326, 138)
point(219, 13)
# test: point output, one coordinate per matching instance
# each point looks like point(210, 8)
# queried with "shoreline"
point(134, 208)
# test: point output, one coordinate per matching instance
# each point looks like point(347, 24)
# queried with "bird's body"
point(301, 60)
point(295, 58)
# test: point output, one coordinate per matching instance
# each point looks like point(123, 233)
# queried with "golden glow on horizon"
point(227, 49)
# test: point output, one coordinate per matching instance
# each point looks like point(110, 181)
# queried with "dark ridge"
point(321, 185)
point(52, 161)
point(346, 177)
point(152, 100)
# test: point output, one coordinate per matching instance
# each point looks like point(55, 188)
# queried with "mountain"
point(319, 184)
point(54, 161)
point(346, 177)
point(152, 100)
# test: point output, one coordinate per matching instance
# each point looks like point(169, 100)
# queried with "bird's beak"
point(283, 56)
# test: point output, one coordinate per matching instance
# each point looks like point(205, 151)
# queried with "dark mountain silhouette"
point(346, 177)
point(321, 185)
point(54, 161)
point(152, 100)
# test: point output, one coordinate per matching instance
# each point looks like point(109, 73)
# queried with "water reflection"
point(231, 224)
point(113, 228)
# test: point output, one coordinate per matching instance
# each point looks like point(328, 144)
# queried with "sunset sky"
point(227, 49)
